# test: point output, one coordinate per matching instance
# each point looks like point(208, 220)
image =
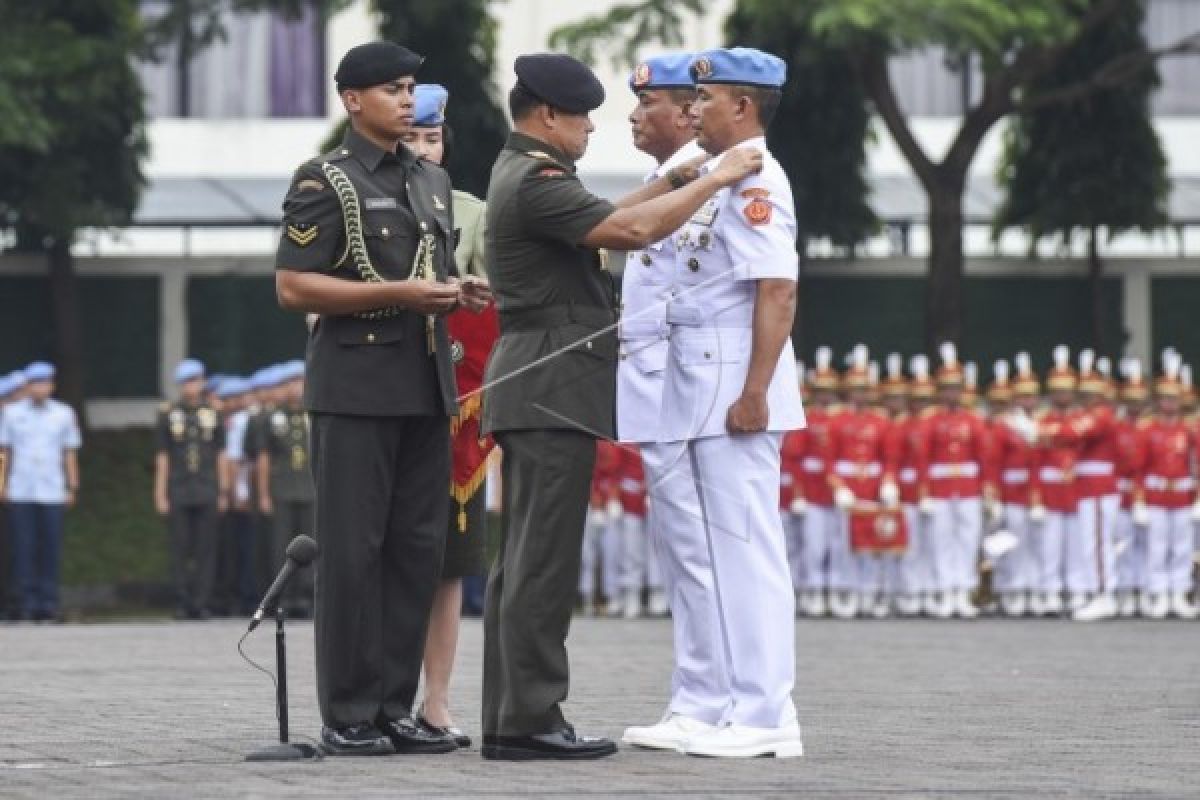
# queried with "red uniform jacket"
point(791, 476)
point(1015, 464)
point(862, 455)
point(631, 481)
point(956, 453)
point(1096, 473)
point(1167, 479)
point(1059, 444)
point(1131, 456)
point(604, 476)
point(816, 441)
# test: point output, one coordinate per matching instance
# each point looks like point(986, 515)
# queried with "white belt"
point(849, 469)
point(1094, 469)
point(630, 485)
point(966, 469)
point(814, 464)
point(908, 475)
point(1052, 475)
point(687, 316)
point(1015, 476)
point(1158, 483)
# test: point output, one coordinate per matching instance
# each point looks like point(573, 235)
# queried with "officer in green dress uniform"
point(283, 479)
point(368, 246)
point(552, 384)
point(190, 487)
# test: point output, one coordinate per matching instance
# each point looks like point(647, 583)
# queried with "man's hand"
point(266, 505)
point(161, 505)
point(426, 297)
point(474, 293)
point(690, 169)
point(748, 414)
point(739, 163)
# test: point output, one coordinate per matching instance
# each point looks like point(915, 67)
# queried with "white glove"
point(843, 498)
point(799, 506)
point(889, 494)
point(615, 509)
point(1140, 515)
point(927, 506)
point(1037, 513)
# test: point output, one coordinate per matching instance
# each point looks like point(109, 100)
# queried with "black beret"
point(560, 81)
point(374, 63)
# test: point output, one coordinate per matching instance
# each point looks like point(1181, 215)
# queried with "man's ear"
point(683, 118)
point(743, 107)
point(548, 116)
point(352, 101)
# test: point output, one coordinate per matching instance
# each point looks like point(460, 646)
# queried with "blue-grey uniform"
point(37, 435)
point(699, 682)
point(744, 234)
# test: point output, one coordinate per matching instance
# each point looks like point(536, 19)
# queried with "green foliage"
point(458, 40)
point(989, 28)
point(113, 534)
point(631, 24)
point(72, 157)
point(819, 132)
point(1095, 161)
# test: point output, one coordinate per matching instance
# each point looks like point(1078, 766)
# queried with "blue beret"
point(292, 370)
point(16, 380)
point(429, 110)
point(374, 63)
point(39, 371)
point(671, 71)
point(559, 81)
point(232, 386)
point(214, 381)
point(188, 370)
point(743, 66)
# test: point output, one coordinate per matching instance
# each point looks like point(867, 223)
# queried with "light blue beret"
point(429, 105)
point(671, 71)
point(742, 66)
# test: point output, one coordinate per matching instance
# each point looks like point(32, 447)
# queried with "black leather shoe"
point(410, 738)
point(456, 734)
point(355, 740)
point(561, 745)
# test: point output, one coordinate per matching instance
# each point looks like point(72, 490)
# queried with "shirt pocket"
point(390, 238)
point(712, 348)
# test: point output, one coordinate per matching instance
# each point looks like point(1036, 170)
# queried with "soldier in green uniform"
point(552, 385)
point(284, 481)
point(190, 487)
point(368, 246)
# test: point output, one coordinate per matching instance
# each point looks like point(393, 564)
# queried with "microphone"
point(300, 553)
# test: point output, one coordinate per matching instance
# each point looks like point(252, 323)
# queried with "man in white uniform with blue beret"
point(662, 128)
point(730, 394)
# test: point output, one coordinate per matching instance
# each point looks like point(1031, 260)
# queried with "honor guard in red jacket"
point(1013, 574)
point(905, 419)
point(957, 454)
point(863, 474)
point(814, 495)
point(602, 538)
point(1131, 444)
point(1091, 553)
point(1167, 485)
point(1056, 501)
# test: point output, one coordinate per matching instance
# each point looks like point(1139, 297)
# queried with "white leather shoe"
point(742, 741)
point(908, 605)
point(1155, 606)
point(657, 605)
point(1126, 604)
point(671, 733)
point(632, 604)
point(963, 606)
point(843, 604)
point(1103, 606)
point(819, 607)
point(1180, 606)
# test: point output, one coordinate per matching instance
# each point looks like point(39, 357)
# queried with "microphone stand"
point(285, 750)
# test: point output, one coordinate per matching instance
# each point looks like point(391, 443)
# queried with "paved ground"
point(894, 709)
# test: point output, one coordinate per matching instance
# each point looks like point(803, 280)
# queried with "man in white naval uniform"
point(662, 128)
point(731, 393)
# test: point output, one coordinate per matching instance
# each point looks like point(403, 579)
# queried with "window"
point(266, 66)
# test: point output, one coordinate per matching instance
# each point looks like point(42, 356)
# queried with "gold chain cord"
point(356, 245)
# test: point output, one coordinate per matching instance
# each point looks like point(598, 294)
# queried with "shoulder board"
point(336, 154)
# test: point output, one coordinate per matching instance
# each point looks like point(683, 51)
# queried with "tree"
point(73, 159)
point(1089, 163)
point(1012, 43)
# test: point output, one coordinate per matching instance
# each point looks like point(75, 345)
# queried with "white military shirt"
point(642, 362)
point(743, 234)
point(37, 436)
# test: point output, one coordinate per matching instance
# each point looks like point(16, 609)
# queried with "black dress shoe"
point(356, 740)
point(561, 745)
point(410, 738)
point(460, 738)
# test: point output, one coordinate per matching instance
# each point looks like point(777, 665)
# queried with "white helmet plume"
point(1062, 357)
point(949, 354)
point(1000, 371)
point(971, 374)
point(1087, 359)
point(1131, 368)
point(1024, 364)
point(918, 365)
point(859, 357)
point(824, 358)
point(895, 366)
point(1172, 361)
point(1104, 366)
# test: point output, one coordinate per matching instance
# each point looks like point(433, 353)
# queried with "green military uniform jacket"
point(192, 437)
point(469, 217)
point(360, 213)
point(282, 433)
point(551, 292)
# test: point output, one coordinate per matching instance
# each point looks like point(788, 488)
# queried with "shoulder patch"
point(758, 210)
point(308, 185)
point(302, 234)
point(551, 172)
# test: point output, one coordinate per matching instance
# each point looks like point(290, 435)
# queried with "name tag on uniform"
point(379, 203)
point(706, 215)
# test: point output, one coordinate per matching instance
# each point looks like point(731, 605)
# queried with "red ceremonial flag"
point(471, 338)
